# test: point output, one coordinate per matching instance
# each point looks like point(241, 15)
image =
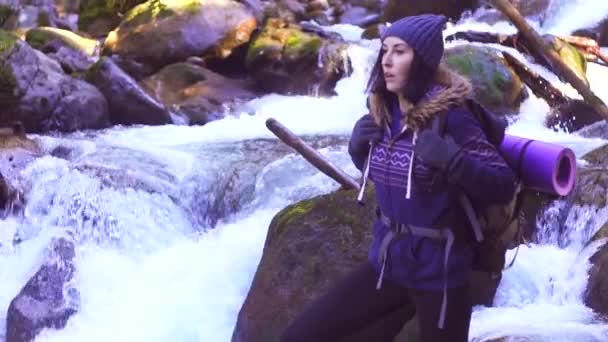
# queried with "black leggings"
point(353, 304)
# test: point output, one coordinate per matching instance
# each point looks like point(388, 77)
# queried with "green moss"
point(300, 44)
point(462, 64)
point(38, 37)
point(261, 45)
point(7, 41)
point(296, 211)
point(7, 79)
point(159, 9)
point(287, 42)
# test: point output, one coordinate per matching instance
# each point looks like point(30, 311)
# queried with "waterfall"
point(170, 220)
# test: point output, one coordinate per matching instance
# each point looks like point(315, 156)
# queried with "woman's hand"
point(436, 151)
point(365, 130)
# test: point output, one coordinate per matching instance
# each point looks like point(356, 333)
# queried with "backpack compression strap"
point(438, 126)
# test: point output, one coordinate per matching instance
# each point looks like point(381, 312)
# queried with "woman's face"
point(397, 57)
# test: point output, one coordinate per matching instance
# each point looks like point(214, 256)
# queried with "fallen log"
point(537, 43)
point(311, 155)
point(538, 84)
point(586, 46)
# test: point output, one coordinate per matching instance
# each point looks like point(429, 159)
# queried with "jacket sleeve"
point(480, 169)
point(358, 157)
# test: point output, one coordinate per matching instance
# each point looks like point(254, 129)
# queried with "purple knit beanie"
point(424, 33)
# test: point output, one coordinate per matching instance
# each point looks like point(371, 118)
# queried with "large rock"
point(572, 116)
point(286, 60)
point(291, 275)
point(160, 32)
point(309, 246)
point(201, 94)
point(129, 103)
point(594, 189)
point(98, 17)
point(46, 300)
point(396, 9)
point(17, 151)
point(35, 90)
point(495, 84)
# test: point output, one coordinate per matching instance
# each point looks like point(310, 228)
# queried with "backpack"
point(496, 228)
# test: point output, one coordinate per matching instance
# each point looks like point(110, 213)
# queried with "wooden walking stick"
point(310, 154)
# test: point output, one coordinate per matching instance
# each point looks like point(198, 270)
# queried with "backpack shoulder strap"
point(439, 123)
point(467, 206)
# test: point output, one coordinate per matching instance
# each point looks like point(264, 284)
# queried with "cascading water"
point(140, 202)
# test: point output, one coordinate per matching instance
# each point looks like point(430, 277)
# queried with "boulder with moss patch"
point(495, 84)
point(287, 60)
point(35, 90)
point(200, 94)
point(309, 246)
point(160, 32)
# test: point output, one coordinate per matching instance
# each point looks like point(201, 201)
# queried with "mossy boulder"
point(495, 84)
point(199, 93)
point(98, 17)
point(285, 59)
point(396, 9)
point(41, 36)
point(160, 32)
point(309, 246)
point(35, 90)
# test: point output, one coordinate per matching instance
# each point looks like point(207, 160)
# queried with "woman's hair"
point(419, 82)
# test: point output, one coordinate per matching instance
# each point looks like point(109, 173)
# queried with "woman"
point(421, 255)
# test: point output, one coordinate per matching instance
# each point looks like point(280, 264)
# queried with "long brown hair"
point(420, 80)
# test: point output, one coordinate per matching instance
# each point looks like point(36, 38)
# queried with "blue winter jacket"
point(406, 193)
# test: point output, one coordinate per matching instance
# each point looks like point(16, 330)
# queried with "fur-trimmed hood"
point(452, 90)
